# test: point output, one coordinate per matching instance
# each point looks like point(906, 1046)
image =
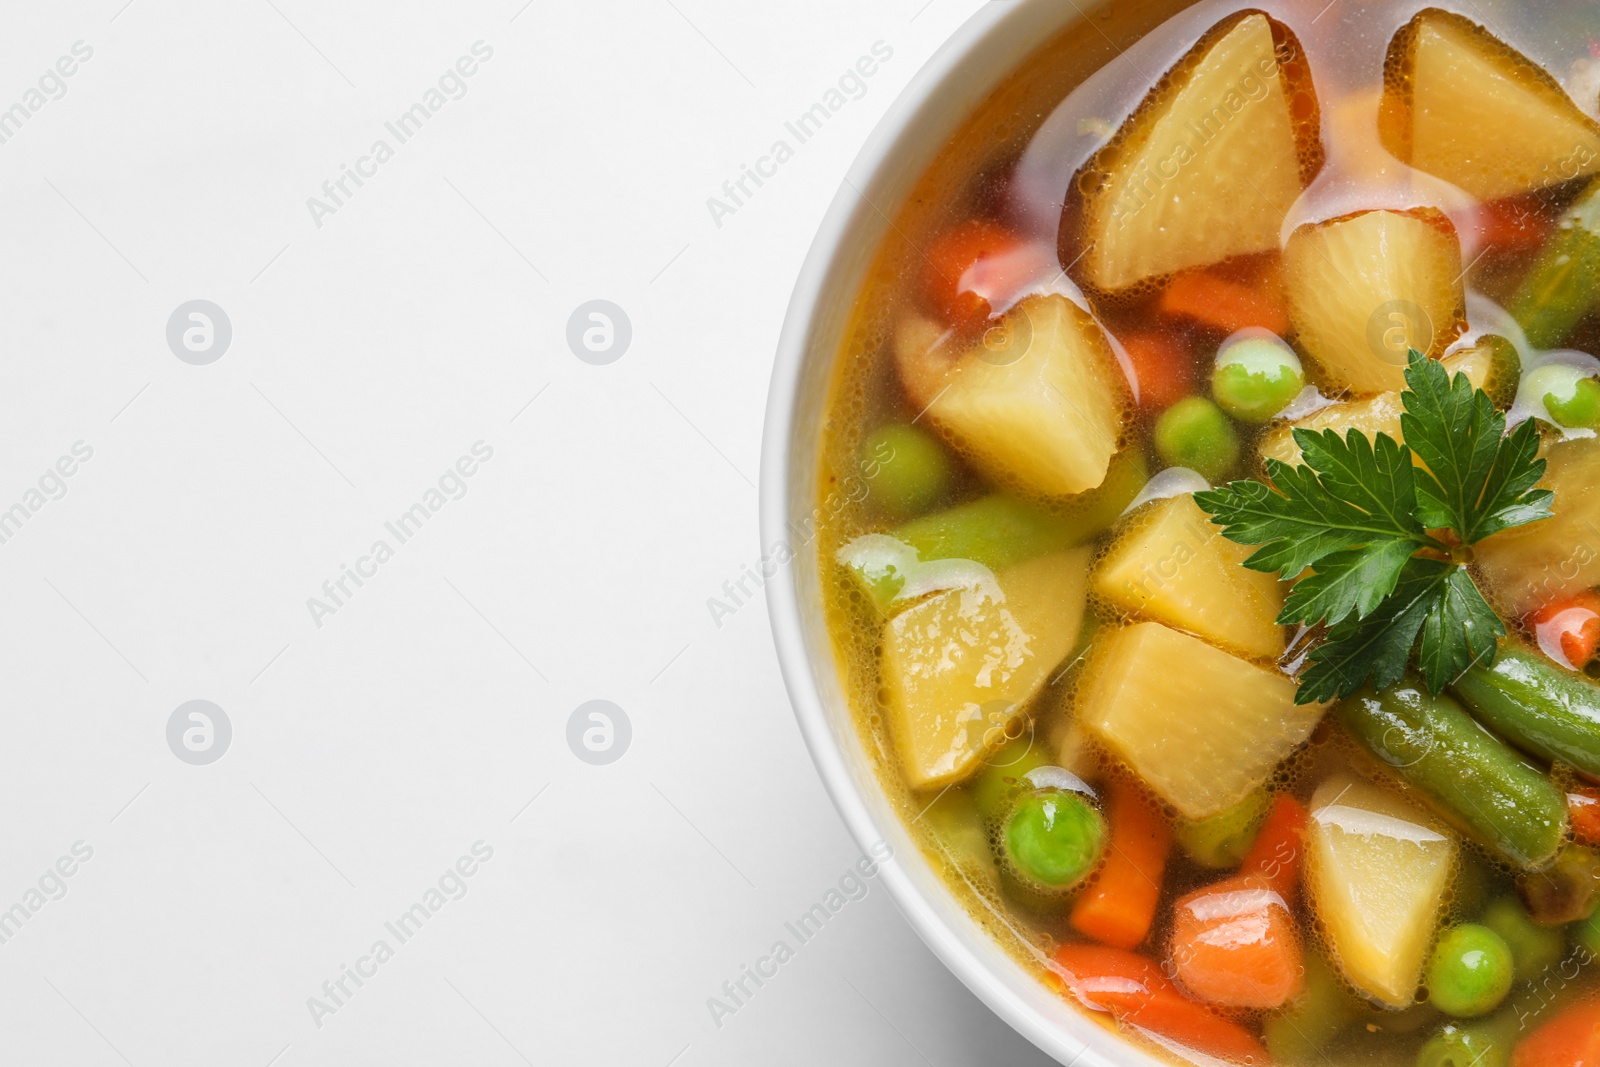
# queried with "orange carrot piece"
point(1234, 944)
point(1279, 846)
point(1519, 224)
point(1163, 365)
point(1133, 989)
point(1569, 630)
point(1224, 304)
point(1583, 811)
point(978, 267)
point(1118, 907)
point(1571, 1039)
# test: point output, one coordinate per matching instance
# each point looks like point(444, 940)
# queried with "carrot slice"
point(1118, 907)
point(1132, 988)
point(1583, 811)
point(1569, 630)
point(1163, 365)
point(1519, 224)
point(1571, 1039)
point(973, 269)
point(1234, 944)
point(1223, 304)
point(1279, 846)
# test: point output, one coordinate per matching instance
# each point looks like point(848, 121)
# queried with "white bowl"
point(958, 77)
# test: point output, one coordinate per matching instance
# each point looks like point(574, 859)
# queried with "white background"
point(368, 354)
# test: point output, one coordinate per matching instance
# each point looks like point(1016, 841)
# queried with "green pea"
point(1221, 841)
point(1194, 433)
point(1053, 839)
point(997, 786)
point(907, 469)
point(1487, 1043)
point(1571, 397)
point(1534, 948)
point(1256, 377)
point(1470, 972)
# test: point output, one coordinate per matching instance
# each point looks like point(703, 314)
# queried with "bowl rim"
point(1069, 1036)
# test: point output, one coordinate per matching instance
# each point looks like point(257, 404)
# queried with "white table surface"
point(370, 752)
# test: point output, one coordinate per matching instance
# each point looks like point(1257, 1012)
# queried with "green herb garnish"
point(1388, 542)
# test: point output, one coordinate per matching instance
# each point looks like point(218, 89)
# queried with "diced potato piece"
point(1372, 416)
point(925, 355)
point(1547, 560)
point(1040, 403)
point(1491, 365)
point(1201, 727)
point(1465, 107)
point(1378, 870)
point(1365, 288)
point(958, 667)
point(1206, 169)
point(1174, 566)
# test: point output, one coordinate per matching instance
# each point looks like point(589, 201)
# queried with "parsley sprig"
point(1381, 545)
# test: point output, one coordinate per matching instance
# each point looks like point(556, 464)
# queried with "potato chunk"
point(1365, 288)
point(958, 667)
point(1206, 169)
point(1463, 106)
point(1548, 560)
point(1378, 870)
point(1200, 727)
point(1174, 566)
point(1491, 365)
point(1040, 403)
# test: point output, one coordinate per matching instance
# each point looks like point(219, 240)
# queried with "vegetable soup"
point(1221, 600)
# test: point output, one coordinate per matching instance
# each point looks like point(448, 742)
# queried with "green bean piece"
point(1000, 782)
point(1473, 780)
point(1564, 283)
point(1221, 841)
point(1542, 708)
point(1303, 1028)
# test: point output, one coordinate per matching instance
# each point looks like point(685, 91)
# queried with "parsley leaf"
point(1349, 493)
point(1456, 432)
point(1377, 544)
point(1355, 580)
point(1378, 645)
